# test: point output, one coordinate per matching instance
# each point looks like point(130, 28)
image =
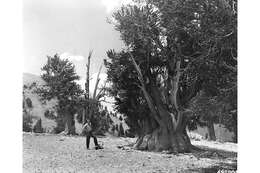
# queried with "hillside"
point(29, 78)
point(38, 108)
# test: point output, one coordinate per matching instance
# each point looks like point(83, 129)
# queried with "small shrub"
point(60, 125)
point(129, 134)
point(121, 130)
point(27, 122)
point(116, 127)
point(29, 102)
point(38, 126)
point(49, 114)
point(113, 128)
point(32, 85)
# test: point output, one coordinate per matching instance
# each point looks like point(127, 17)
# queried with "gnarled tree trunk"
point(157, 137)
point(211, 131)
point(169, 131)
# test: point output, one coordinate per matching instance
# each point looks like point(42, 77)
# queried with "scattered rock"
point(124, 148)
point(72, 156)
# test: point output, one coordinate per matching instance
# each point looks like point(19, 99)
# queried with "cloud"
point(71, 57)
point(107, 100)
point(113, 4)
point(93, 79)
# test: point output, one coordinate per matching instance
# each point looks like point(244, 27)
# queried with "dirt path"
point(53, 153)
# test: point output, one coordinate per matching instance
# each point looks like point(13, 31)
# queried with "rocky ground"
point(56, 153)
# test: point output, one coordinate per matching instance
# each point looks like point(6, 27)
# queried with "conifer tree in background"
point(60, 78)
point(27, 118)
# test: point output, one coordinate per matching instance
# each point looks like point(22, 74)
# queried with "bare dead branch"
point(146, 94)
point(98, 79)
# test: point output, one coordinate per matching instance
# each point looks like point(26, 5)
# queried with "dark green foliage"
point(121, 131)
point(206, 108)
point(79, 115)
point(114, 115)
point(220, 109)
point(38, 126)
point(105, 120)
point(229, 117)
point(29, 102)
point(25, 87)
point(113, 128)
point(116, 127)
point(24, 105)
point(101, 120)
point(129, 133)
point(60, 77)
point(60, 127)
point(33, 85)
point(202, 34)
point(50, 114)
point(27, 118)
point(129, 100)
point(27, 122)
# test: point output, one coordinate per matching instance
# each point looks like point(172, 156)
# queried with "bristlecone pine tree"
point(208, 110)
point(60, 78)
point(175, 49)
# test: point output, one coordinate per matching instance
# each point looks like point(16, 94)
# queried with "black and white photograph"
point(129, 86)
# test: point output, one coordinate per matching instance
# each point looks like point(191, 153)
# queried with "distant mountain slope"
point(38, 109)
point(29, 78)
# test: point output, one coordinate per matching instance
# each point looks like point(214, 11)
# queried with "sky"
point(70, 28)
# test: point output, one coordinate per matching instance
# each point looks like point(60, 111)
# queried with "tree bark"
point(170, 133)
point(69, 125)
point(211, 131)
point(163, 138)
point(164, 135)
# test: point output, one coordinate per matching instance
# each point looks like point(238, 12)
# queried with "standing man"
point(88, 131)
